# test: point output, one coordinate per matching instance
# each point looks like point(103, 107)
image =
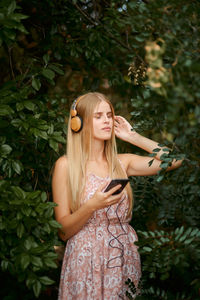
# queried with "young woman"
point(100, 253)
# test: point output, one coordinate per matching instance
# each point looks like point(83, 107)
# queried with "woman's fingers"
point(115, 198)
point(112, 190)
point(106, 199)
point(118, 118)
point(103, 186)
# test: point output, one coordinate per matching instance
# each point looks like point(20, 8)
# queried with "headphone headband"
point(74, 104)
point(76, 121)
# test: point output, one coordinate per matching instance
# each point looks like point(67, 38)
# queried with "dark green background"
point(53, 51)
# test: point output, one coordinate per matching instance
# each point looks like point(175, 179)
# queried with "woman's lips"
point(106, 128)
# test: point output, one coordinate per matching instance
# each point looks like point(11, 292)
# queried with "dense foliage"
point(145, 56)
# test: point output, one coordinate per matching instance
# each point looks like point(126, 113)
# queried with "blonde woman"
point(100, 253)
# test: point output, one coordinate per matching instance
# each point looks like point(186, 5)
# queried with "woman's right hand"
point(104, 199)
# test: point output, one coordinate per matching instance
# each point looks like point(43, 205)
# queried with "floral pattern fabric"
point(102, 255)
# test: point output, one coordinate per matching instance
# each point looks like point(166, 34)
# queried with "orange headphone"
point(76, 120)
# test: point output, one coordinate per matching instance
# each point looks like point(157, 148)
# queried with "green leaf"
point(194, 232)
point(57, 136)
point(40, 133)
point(164, 165)
point(54, 224)
point(147, 249)
point(178, 233)
point(164, 276)
point(28, 244)
point(50, 263)
point(150, 162)
point(26, 211)
point(46, 58)
point(25, 260)
point(47, 228)
point(19, 106)
point(2, 140)
point(43, 134)
point(51, 129)
point(48, 213)
point(29, 105)
point(46, 280)
point(152, 155)
point(11, 8)
point(36, 84)
point(20, 230)
point(5, 110)
point(139, 38)
point(2, 223)
point(30, 281)
point(5, 150)
point(18, 17)
point(188, 241)
point(156, 150)
point(49, 74)
point(17, 166)
point(16, 122)
point(4, 265)
point(166, 150)
point(56, 69)
point(160, 178)
point(36, 261)
point(163, 156)
point(43, 196)
point(18, 192)
point(10, 34)
point(53, 144)
point(52, 255)
point(37, 287)
point(19, 215)
point(42, 126)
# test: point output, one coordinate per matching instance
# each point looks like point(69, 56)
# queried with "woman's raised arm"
point(137, 165)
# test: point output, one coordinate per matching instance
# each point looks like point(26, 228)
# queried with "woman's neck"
point(97, 151)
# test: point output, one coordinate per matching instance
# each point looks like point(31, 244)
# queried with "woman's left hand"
point(123, 129)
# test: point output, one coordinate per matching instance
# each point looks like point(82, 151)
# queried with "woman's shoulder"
point(61, 164)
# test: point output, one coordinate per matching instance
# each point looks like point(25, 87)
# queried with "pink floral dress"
point(102, 255)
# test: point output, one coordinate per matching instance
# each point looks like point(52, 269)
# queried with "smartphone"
point(114, 182)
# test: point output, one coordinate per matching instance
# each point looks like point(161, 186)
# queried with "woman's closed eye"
point(109, 115)
point(99, 115)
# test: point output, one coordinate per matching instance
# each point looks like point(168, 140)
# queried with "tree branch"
point(10, 62)
point(107, 31)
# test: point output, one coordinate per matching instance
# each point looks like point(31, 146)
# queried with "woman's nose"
point(106, 119)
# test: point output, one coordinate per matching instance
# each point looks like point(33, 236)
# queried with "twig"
point(107, 31)
point(36, 182)
point(10, 62)
point(85, 15)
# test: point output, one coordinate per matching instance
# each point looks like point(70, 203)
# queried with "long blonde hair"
point(79, 150)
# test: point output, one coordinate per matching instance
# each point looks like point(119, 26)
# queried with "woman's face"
point(102, 121)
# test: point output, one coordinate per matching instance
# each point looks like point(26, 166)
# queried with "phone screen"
point(114, 182)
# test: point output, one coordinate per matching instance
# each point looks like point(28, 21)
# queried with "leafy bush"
point(144, 56)
point(28, 235)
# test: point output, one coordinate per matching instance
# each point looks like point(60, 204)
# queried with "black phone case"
point(114, 182)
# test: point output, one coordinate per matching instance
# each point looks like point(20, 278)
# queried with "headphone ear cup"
point(76, 123)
